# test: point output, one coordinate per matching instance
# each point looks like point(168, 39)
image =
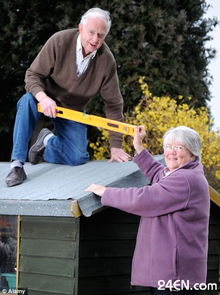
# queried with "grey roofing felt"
point(50, 188)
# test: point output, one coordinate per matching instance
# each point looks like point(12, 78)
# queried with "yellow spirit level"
point(94, 120)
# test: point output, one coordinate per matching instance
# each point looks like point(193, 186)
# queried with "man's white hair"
point(97, 13)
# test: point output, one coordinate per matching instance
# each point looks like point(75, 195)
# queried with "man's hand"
point(118, 155)
point(47, 104)
point(96, 189)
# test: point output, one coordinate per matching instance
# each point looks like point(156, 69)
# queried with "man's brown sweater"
point(54, 72)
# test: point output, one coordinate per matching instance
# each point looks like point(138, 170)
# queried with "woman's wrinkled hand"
point(96, 189)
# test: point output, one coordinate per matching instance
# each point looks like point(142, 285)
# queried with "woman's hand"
point(96, 189)
point(139, 135)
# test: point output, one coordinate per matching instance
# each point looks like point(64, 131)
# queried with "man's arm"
point(36, 75)
point(113, 101)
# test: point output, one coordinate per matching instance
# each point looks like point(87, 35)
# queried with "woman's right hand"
point(139, 135)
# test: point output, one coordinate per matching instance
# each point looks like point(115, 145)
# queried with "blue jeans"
point(69, 146)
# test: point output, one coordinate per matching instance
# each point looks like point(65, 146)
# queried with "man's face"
point(92, 34)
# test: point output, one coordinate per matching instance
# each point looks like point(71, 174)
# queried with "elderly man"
point(72, 67)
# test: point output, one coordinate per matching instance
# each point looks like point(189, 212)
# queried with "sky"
point(214, 66)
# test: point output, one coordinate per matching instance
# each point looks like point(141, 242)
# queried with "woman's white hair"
point(97, 13)
point(188, 137)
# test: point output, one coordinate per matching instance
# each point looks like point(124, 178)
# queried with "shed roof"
point(50, 188)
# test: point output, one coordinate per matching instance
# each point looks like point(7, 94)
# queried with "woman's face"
point(176, 155)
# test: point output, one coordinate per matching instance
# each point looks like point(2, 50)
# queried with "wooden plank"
point(214, 247)
point(39, 292)
point(53, 284)
point(49, 230)
point(48, 248)
point(111, 285)
point(97, 249)
point(214, 231)
point(50, 219)
point(18, 250)
point(214, 195)
point(214, 215)
point(109, 231)
point(93, 267)
point(49, 255)
point(107, 242)
point(48, 266)
point(212, 276)
point(139, 290)
point(75, 209)
point(213, 262)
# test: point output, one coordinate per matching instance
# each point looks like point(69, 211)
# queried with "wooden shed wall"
point(107, 242)
point(90, 256)
point(214, 247)
point(49, 255)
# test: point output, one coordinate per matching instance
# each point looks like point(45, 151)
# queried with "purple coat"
point(172, 239)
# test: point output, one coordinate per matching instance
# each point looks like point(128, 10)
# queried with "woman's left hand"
point(96, 189)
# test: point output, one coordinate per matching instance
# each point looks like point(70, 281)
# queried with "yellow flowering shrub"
point(158, 114)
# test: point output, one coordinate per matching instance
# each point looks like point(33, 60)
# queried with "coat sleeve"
point(112, 98)
point(151, 168)
point(168, 195)
point(41, 68)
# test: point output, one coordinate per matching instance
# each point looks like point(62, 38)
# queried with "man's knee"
point(77, 155)
point(75, 158)
point(80, 161)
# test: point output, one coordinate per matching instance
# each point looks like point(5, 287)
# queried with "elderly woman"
point(172, 241)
